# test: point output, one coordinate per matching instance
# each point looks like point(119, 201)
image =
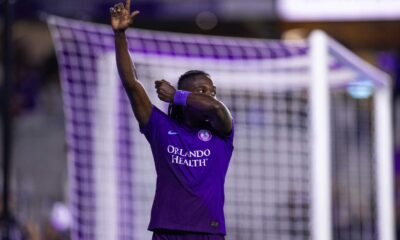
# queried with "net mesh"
point(353, 164)
point(268, 186)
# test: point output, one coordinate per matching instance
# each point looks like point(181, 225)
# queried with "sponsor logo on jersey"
point(190, 158)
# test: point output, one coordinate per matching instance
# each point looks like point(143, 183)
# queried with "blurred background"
point(370, 28)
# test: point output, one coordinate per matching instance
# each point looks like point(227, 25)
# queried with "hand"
point(121, 18)
point(165, 91)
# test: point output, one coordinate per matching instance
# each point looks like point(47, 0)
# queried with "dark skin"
point(202, 104)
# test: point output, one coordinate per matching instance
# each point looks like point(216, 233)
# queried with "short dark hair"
point(189, 75)
point(174, 111)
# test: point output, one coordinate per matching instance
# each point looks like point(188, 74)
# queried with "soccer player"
point(191, 145)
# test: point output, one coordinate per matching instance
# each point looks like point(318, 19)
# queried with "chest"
point(194, 147)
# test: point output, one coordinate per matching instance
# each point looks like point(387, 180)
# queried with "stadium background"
point(39, 159)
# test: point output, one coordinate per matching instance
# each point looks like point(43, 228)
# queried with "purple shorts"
point(175, 235)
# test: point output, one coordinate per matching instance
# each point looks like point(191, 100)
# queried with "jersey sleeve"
point(155, 123)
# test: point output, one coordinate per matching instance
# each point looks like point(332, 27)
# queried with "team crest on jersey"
point(204, 135)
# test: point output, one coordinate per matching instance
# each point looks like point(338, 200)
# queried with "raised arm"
point(121, 19)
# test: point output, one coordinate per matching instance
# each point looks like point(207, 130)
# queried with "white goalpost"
point(320, 134)
point(321, 47)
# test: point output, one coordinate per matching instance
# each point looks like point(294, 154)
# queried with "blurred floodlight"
point(361, 89)
point(206, 20)
point(303, 10)
point(60, 217)
point(295, 34)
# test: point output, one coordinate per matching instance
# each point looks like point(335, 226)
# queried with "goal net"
point(307, 162)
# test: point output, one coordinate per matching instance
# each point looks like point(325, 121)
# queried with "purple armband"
point(180, 97)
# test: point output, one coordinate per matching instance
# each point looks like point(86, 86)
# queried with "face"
point(200, 84)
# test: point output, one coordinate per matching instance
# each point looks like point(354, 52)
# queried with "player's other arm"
point(212, 110)
point(204, 105)
point(121, 19)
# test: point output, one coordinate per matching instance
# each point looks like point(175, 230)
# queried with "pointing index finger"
point(128, 5)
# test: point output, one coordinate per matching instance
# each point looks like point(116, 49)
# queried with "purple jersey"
point(191, 164)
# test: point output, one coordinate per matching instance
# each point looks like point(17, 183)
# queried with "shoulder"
point(157, 118)
point(156, 111)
